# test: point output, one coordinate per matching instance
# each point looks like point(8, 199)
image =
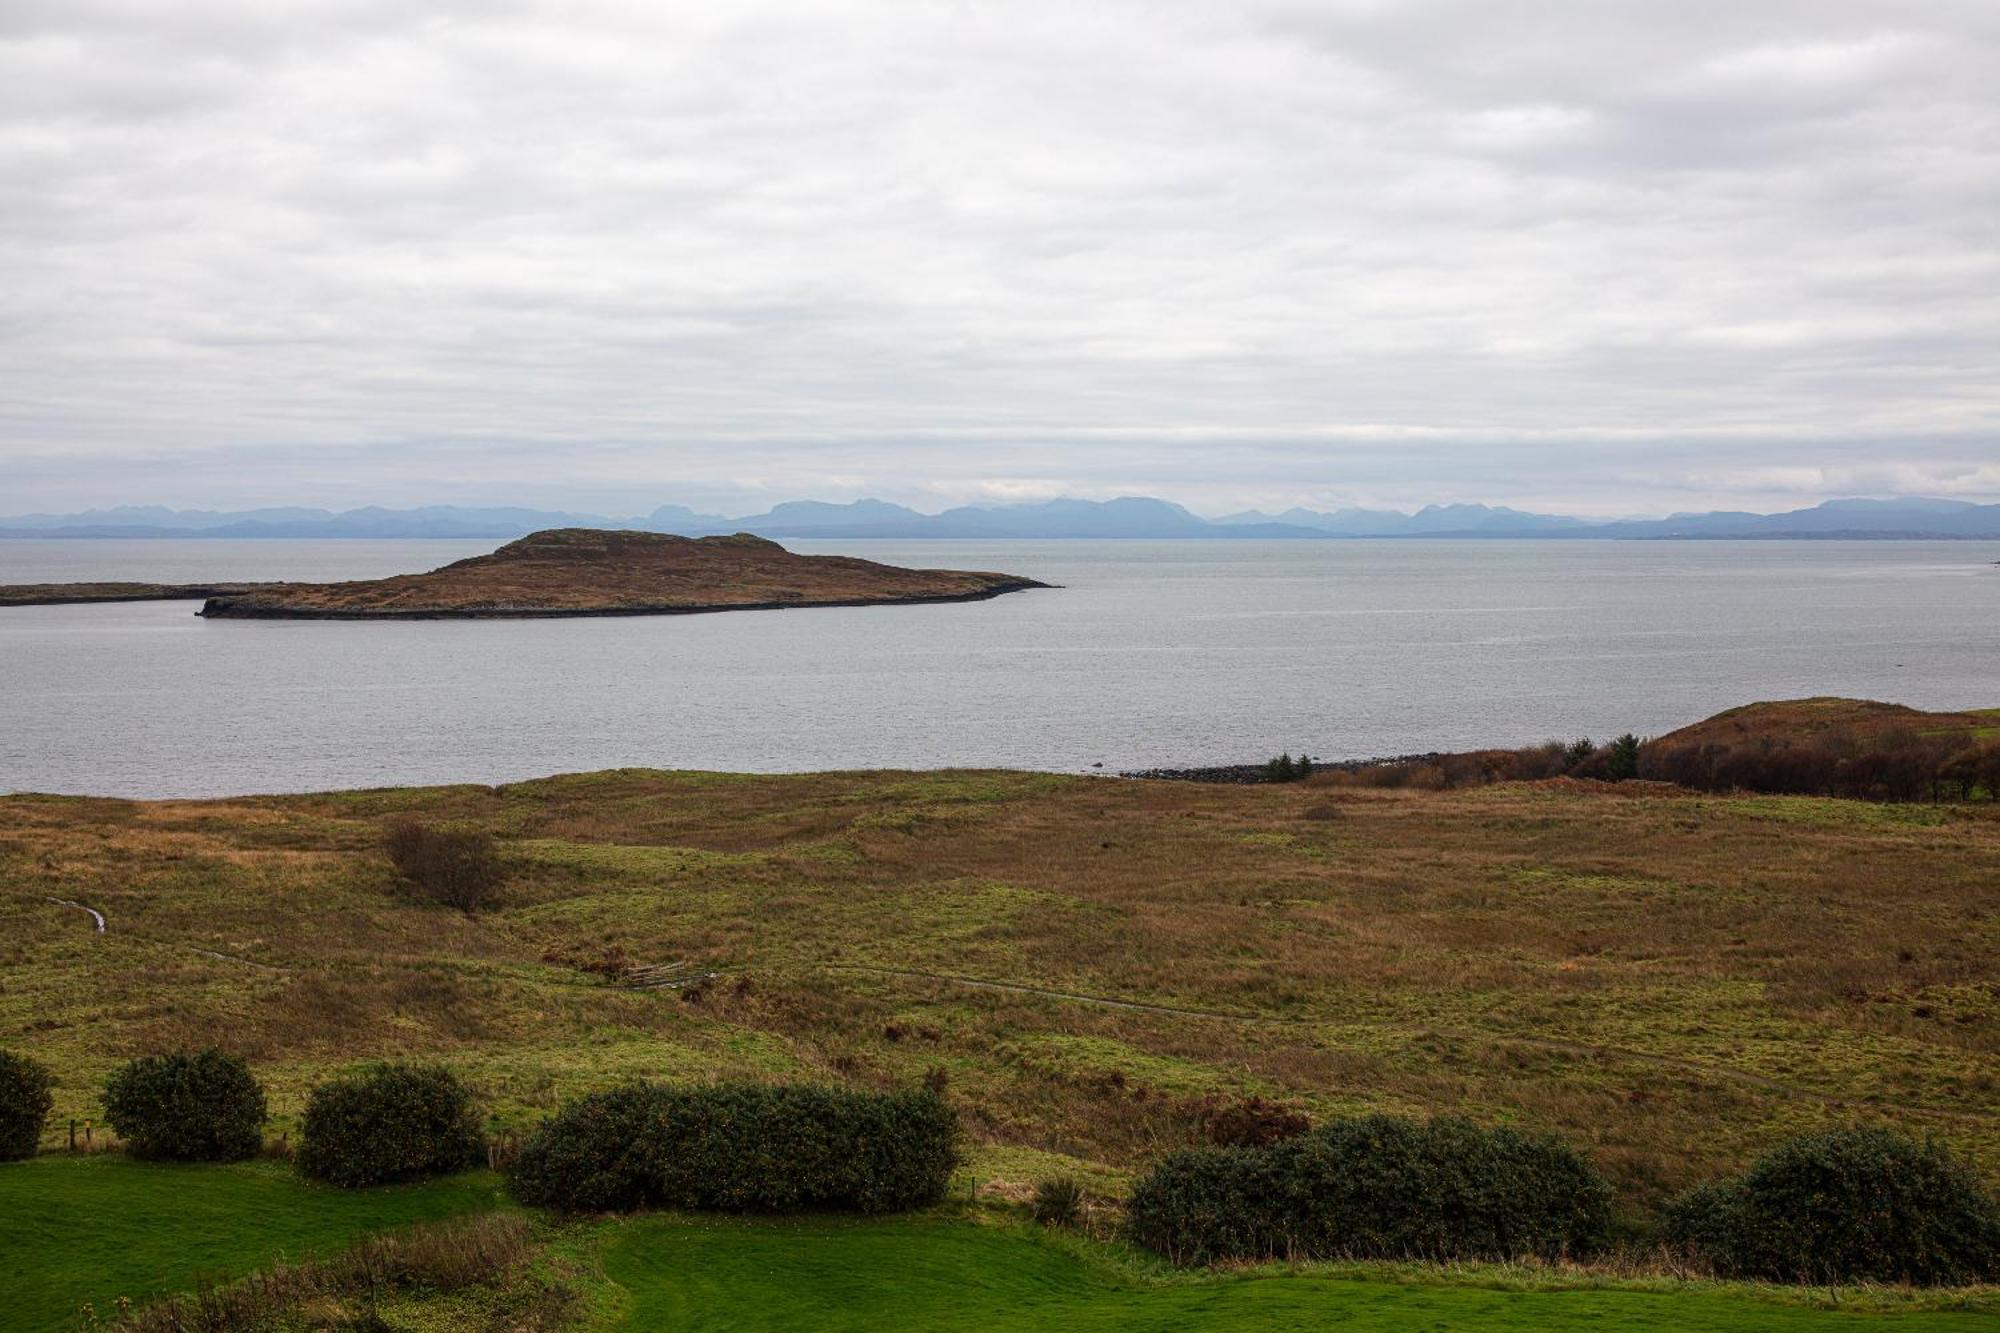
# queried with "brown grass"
point(1673, 983)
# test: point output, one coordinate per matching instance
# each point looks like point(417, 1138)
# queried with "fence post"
point(72, 1134)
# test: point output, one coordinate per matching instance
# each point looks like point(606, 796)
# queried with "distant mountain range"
point(1132, 516)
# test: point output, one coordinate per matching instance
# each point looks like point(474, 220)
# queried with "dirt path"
point(1583, 1049)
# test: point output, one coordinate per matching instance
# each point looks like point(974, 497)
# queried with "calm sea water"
point(1153, 653)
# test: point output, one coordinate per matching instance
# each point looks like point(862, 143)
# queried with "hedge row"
point(1375, 1188)
point(740, 1148)
point(1855, 1205)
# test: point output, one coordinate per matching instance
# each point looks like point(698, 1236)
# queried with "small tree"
point(1279, 769)
point(1304, 768)
point(24, 1105)
point(1578, 750)
point(203, 1107)
point(1622, 758)
point(455, 867)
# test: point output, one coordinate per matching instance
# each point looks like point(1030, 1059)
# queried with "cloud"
point(1229, 254)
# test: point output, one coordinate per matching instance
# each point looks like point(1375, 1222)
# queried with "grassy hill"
point(1672, 981)
point(1856, 721)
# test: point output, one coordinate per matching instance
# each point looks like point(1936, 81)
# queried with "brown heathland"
point(1858, 721)
point(587, 572)
point(1675, 982)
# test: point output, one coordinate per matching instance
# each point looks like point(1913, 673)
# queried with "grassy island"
point(588, 572)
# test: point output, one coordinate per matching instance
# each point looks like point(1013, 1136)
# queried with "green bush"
point(204, 1107)
point(740, 1148)
point(1850, 1205)
point(1375, 1188)
point(393, 1122)
point(24, 1105)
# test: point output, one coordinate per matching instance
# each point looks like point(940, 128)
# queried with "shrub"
point(1850, 1205)
point(393, 1122)
point(204, 1107)
point(740, 1148)
point(1375, 1188)
point(455, 867)
point(1058, 1202)
point(24, 1105)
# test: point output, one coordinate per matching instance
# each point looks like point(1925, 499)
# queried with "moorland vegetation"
point(1642, 1012)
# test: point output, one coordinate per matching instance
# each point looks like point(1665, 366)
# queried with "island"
point(596, 572)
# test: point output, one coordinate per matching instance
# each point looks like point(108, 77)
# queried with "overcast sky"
point(1596, 257)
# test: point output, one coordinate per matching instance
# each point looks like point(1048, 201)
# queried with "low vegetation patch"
point(1375, 1187)
point(740, 1148)
point(345, 1291)
point(1855, 1205)
point(187, 1107)
point(25, 1100)
point(448, 866)
point(1058, 1202)
point(394, 1122)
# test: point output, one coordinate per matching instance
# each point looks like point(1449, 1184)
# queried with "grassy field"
point(93, 1229)
point(1673, 982)
point(832, 1275)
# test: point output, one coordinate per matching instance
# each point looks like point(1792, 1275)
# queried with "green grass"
point(825, 1274)
point(96, 1228)
point(75, 1230)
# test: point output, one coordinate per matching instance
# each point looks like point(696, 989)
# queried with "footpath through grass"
point(97, 1228)
point(828, 1274)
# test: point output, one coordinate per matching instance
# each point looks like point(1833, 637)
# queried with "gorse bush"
point(1851, 1205)
point(1058, 1202)
point(393, 1122)
point(1375, 1188)
point(24, 1105)
point(455, 867)
point(740, 1148)
point(204, 1107)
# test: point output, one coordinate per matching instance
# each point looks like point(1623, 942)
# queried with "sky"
point(1605, 257)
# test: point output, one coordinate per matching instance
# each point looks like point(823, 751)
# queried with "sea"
point(1148, 654)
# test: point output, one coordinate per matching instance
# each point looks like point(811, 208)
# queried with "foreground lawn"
point(97, 1228)
point(94, 1229)
point(824, 1274)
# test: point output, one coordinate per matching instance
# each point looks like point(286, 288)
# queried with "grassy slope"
point(829, 1275)
point(1672, 981)
point(97, 1228)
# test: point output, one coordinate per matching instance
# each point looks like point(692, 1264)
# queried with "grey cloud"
point(1621, 255)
